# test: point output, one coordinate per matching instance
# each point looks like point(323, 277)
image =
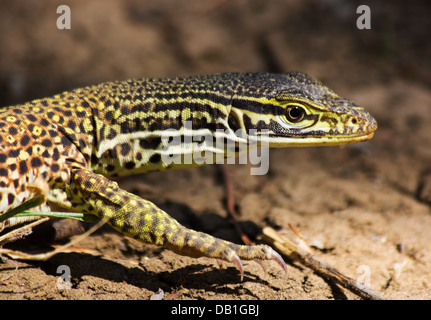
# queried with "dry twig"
point(296, 249)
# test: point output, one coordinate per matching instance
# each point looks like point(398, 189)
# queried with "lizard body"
point(74, 141)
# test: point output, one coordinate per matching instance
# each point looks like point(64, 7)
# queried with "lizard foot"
point(197, 244)
point(270, 255)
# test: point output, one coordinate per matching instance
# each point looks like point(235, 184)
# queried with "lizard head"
point(298, 110)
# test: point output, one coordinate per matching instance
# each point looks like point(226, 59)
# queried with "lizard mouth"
point(280, 141)
point(347, 139)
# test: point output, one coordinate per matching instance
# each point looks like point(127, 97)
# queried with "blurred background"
point(154, 38)
point(374, 196)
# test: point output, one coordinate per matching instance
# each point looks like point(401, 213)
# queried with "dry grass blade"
point(45, 256)
point(20, 232)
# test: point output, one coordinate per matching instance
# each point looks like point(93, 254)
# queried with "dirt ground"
point(365, 207)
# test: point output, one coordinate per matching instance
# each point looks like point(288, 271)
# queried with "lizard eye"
point(295, 114)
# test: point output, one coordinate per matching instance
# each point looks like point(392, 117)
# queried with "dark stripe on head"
point(258, 126)
point(257, 107)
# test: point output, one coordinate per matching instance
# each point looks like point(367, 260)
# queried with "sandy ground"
point(366, 206)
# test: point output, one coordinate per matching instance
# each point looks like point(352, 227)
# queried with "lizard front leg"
point(142, 220)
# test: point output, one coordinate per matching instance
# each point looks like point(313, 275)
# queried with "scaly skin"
point(73, 141)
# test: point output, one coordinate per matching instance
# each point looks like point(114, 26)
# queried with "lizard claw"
point(274, 255)
point(238, 264)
